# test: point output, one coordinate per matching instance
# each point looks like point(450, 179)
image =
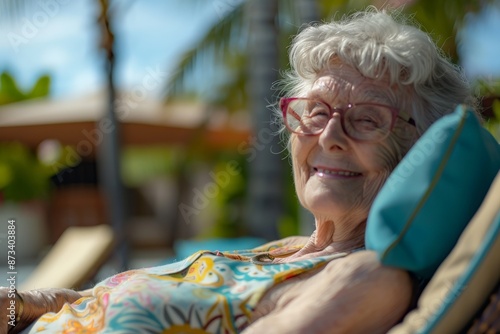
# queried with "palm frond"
point(225, 35)
point(232, 93)
point(224, 43)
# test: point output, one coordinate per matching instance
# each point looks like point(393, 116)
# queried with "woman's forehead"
point(347, 83)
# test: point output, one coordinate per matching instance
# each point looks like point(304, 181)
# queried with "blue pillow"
point(432, 194)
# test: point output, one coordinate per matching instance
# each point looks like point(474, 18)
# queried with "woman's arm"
point(355, 294)
point(30, 305)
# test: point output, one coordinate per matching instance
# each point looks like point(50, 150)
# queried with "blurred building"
point(77, 198)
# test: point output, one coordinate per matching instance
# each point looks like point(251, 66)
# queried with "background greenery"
point(22, 175)
point(229, 46)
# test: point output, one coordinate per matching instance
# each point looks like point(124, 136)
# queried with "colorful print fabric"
point(208, 292)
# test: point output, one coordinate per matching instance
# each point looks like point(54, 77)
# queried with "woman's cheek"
point(383, 162)
point(298, 162)
point(373, 186)
point(299, 178)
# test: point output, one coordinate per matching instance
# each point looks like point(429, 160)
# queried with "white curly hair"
point(381, 44)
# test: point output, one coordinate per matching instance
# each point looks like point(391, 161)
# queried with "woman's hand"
point(28, 306)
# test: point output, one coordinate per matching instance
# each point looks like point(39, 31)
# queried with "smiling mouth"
point(328, 172)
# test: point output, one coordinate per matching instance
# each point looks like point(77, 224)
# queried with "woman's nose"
point(333, 136)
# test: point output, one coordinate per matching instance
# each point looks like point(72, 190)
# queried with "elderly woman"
point(360, 92)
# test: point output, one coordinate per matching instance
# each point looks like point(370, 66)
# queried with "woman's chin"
point(336, 189)
point(327, 207)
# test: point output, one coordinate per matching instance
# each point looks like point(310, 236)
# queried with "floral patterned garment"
point(208, 292)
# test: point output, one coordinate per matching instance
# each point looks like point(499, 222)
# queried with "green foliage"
point(10, 91)
point(232, 93)
point(442, 19)
point(493, 124)
point(219, 42)
point(496, 108)
point(225, 46)
point(41, 88)
point(489, 90)
point(141, 164)
point(485, 87)
point(22, 176)
point(230, 199)
point(329, 9)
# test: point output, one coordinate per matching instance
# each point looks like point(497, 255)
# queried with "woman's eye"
point(318, 110)
point(367, 122)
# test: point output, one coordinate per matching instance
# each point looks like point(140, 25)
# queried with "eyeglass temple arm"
point(293, 113)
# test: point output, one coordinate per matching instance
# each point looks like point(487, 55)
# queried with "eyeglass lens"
point(360, 122)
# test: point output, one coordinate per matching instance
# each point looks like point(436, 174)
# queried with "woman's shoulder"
point(343, 291)
point(285, 246)
point(290, 242)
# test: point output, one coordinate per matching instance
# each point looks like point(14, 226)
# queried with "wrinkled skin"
point(351, 295)
point(340, 203)
point(337, 179)
point(354, 294)
point(36, 303)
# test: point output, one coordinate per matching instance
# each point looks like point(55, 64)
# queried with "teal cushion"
point(432, 194)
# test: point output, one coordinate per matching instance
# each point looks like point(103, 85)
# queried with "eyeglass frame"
point(285, 102)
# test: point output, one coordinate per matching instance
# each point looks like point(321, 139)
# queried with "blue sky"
point(59, 38)
point(480, 43)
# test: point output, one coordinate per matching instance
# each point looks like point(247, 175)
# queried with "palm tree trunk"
point(109, 151)
point(266, 172)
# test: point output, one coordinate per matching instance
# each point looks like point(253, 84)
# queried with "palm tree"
point(109, 153)
point(109, 150)
point(264, 25)
point(266, 201)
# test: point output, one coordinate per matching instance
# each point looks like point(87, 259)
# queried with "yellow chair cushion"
point(464, 281)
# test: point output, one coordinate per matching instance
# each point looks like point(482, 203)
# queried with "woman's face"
point(337, 178)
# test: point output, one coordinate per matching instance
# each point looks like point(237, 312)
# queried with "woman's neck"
point(328, 240)
point(342, 236)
